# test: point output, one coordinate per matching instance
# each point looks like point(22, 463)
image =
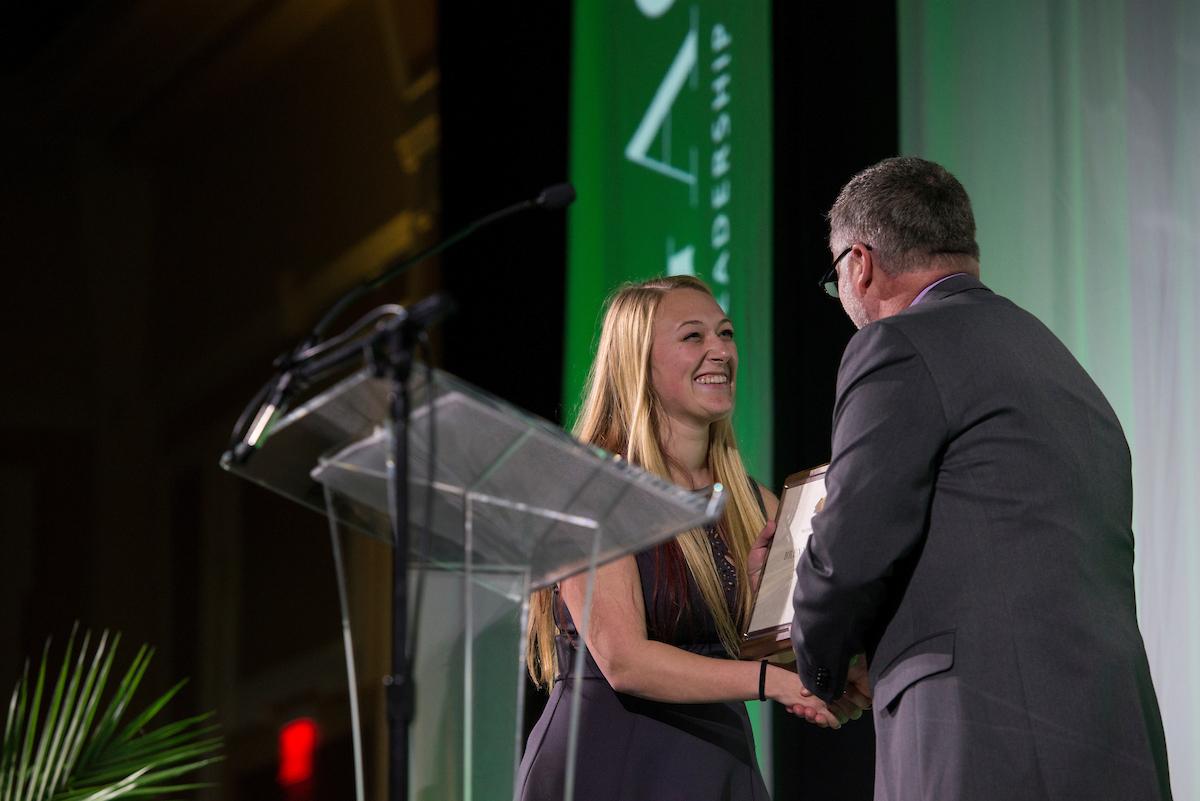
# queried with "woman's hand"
point(785, 687)
point(756, 559)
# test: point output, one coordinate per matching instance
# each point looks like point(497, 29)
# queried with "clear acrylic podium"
point(501, 503)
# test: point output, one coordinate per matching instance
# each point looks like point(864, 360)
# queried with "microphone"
point(558, 196)
point(430, 311)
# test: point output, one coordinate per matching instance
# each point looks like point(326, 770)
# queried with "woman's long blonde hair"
point(622, 413)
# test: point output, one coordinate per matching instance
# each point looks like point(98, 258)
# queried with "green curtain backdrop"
point(1075, 127)
point(671, 157)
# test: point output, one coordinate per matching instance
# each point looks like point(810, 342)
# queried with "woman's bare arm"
point(636, 665)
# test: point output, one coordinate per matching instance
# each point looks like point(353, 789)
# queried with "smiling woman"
point(661, 690)
point(693, 362)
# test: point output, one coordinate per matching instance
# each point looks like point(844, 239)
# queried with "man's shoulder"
point(908, 328)
point(939, 329)
point(943, 320)
point(876, 345)
point(956, 334)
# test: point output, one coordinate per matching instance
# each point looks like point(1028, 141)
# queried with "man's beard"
point(855, 309)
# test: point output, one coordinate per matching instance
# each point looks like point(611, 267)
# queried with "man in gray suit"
point(975, 548)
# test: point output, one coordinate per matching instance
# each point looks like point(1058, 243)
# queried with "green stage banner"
point(671, 157)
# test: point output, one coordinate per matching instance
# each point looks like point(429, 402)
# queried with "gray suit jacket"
point(976, 544)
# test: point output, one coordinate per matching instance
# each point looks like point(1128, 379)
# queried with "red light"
point(297, 747)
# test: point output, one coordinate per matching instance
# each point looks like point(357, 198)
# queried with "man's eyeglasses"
point(829, 281)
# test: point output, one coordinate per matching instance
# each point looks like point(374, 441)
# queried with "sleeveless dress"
point(634, 749)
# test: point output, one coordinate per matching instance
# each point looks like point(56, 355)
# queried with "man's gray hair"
point(908, 209)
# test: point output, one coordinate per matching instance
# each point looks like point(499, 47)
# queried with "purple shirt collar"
point(920, 297)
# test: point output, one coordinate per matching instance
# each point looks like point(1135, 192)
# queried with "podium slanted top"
point(488, 482)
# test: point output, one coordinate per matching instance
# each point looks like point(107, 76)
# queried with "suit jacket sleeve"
point(889, 431)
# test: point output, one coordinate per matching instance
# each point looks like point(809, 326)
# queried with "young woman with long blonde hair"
point(662, 713)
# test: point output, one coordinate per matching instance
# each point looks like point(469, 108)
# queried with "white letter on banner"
point(682, 262)
point(720, 38)
point(654, 8)
point(659, 109)
point(721, 127)
point(720, 231)
point(720, 271)
point(720, 88)
point(720, 194)
point(720, 161)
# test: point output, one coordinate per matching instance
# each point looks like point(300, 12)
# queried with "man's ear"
point(864, 275)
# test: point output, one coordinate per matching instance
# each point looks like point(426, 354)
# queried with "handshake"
point(799, 700)
point(784, 686)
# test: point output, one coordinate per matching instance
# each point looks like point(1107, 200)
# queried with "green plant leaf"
point(149, 713)
point(89, 697)
point(120, 700)
point(81, 755)
point(63, 698)
point(23, 772)
point(90, 714)
point(12, 736)
point(166, 730)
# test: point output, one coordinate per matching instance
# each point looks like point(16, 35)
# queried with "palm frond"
point(69, 751)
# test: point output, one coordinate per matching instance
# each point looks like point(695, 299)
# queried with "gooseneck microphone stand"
point(390, 356)
point(272, 399)
point(388, 352)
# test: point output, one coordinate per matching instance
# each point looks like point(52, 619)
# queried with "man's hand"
point(854, 701)
point(858, 683)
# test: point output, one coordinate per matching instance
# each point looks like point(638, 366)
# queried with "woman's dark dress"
point(631, 748)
